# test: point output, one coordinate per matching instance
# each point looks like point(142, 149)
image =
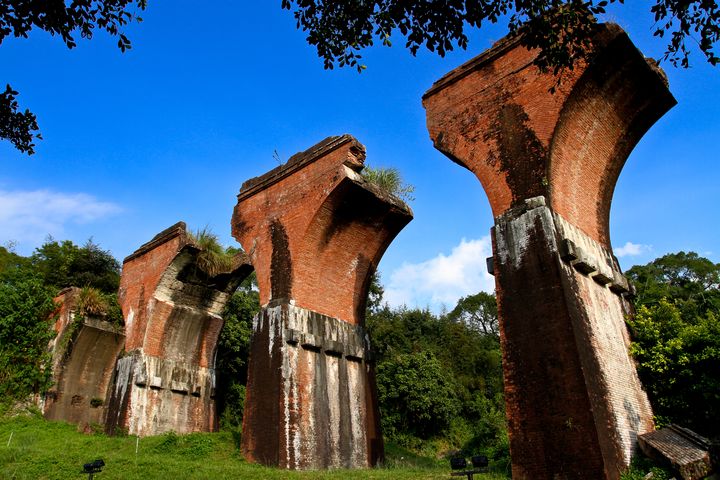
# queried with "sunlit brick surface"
point(549, 163)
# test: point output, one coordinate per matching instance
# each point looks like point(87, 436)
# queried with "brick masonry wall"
point(173, 320)
point(549, 164)
point(315, 230)
point(496, 117)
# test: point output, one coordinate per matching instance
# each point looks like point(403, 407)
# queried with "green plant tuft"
point(92, 302)
point(389, 181)
point(213, 258)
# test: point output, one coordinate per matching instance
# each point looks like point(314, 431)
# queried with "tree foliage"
point(11, 260)
point(26, 305)
point(66, 20)
point(417, 396)
point(561, 29)
point(692, 282)
point(478, 312)
point(444, 366)
point(17, 126)
point(676, 339)
point(232, 353)
point(64, 264)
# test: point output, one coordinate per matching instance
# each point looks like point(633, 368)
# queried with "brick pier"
point(549, 164)
point(315, 231)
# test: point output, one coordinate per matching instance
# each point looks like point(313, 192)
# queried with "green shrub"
point(641, 466)
point(26, 307)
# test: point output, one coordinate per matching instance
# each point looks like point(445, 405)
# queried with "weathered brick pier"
point(315, 230)
point(549, 163)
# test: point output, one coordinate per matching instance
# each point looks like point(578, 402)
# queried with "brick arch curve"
point(347, 237)
point(601, 122)
point(172, 313)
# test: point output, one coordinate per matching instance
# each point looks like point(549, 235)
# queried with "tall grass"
point(213, 258)
point(390, 181)
point(41, 450)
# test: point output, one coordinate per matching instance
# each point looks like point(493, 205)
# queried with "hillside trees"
point(64, 264)
point(26, 305)
point(676, 339)
point(478, 312)
point(561, 29)
point(233, 351)
point(439, 382)
point(27, 288)
point(418, 398)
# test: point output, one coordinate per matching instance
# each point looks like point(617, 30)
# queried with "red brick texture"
point(314, 230)
point(549, 164)
point(495, 116)
point(172, 312)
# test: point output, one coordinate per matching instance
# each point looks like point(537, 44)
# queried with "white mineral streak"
point(130, 320)
point(356, 390)
point(308, 420)
point(257, 321)
point(124, 368)
point(333, 393)
point(287, 380)
point(351, 268)
point(293, 355)
point(297, 319)
point(289, 391)
point(271, 313)
point(149, 307)
point(138, 400)
point(301, 439)
point(152, 411)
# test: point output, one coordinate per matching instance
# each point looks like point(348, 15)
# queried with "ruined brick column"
point(549, 164)
point(315, 231)
point(172, 310)
point(84, 353)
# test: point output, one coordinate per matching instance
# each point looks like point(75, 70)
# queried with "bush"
point(26, 307)
point(641, 466)
point(418, 395)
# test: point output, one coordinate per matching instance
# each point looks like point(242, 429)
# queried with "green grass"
point(54, 450)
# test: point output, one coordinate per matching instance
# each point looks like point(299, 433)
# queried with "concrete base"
point(311, 397)
point(154, 395)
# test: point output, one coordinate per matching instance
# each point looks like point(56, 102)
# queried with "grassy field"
point(32, 448)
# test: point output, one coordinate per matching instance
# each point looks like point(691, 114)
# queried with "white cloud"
point(29, 216)
point(442, 280)
point(631, 249)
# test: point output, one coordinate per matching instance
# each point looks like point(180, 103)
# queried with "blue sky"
point(169, 130)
